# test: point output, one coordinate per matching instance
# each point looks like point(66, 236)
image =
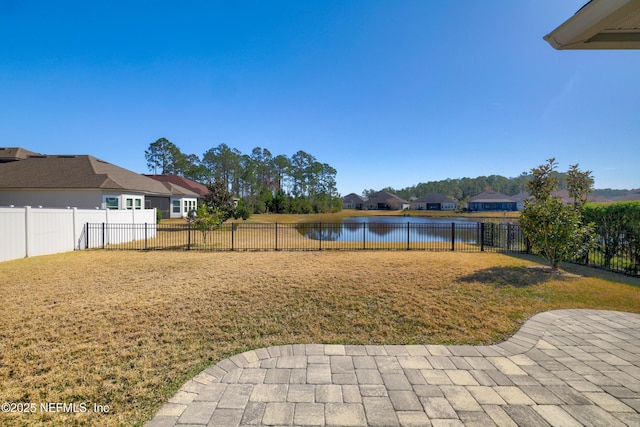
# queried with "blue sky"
point(390, 93)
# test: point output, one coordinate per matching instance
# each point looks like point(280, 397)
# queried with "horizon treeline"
point(265, 183)
point(462, 189)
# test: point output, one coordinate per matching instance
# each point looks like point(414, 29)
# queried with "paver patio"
point(563, 368)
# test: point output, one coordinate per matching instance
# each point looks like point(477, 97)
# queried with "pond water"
point(394, 229)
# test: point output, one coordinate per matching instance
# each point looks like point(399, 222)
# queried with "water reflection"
point(377, 229)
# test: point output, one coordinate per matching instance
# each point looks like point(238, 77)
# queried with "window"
point(175, 206)
point(111, 202)
point(189, 205)
point(132, 202)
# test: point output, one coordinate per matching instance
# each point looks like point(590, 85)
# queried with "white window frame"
point(106, 199)
point(132, 202)
point(189, 205)
point(176, 206)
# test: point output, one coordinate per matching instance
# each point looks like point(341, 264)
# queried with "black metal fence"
point(462, 237)
point(453, 236)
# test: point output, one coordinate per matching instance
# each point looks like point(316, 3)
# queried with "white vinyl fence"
point(27, 231)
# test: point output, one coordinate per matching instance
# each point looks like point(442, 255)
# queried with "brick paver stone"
point(309, 414)
point(278, 413)
point(405, 400)
point(197, 413)
point(413, 419)
point(460, 398)
point(556, 416)
point(380, 411)
point(269, 393)
point(235, 396)
point(226, 417)
point(438, 407)
point(344, 414)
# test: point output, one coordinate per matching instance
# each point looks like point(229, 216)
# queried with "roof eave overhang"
point(597, 26)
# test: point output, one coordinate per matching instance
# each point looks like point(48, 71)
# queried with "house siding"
point(80, 198)
point(493, 206)
point(84, 199)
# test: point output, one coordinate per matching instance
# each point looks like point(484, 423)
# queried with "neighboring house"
point(82, 181)
point(492, 201)
point(434, 201)
point(182, 201)
point(354, 201)
point(386, 200)
point(185, 194)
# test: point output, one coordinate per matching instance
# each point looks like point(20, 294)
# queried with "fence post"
point(76, 243)
point(481, 236)
point(364, 235)
point(104, 234)
point(233, 236)
point(27, 231)
point(320, 236)
point(276, 236)
point(408, 235)
point(189, 235)
point(453, 236)
point(146, 239)
point(86, 236)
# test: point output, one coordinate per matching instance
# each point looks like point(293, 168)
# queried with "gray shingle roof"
point(200, 189)
point(177, 190)
point(385, 197)
point(8, 154)
point(74, 172)
point(491, 197)
point(353, 197)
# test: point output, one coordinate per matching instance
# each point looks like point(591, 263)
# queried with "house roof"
point(199, 189)
point(8, 154)
point(74, 172)
point(600, 24)
point(435, 198)
point(385, 197)
point(176, 190)
point(491, 197)
point(353, 197)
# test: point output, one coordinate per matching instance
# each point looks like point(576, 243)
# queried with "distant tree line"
point(462, 189)
point(265, 183)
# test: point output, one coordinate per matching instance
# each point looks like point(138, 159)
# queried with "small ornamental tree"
point(556, 230)
point(206, 219)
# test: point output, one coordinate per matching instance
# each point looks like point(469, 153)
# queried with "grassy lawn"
point(126, 329)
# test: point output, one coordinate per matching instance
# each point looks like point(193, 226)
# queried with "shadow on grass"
point(520, 277)
point(584, 270)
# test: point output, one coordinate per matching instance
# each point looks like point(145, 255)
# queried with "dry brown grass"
point(126, 329)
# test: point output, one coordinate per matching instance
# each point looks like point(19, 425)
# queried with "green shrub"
point(618, 229)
